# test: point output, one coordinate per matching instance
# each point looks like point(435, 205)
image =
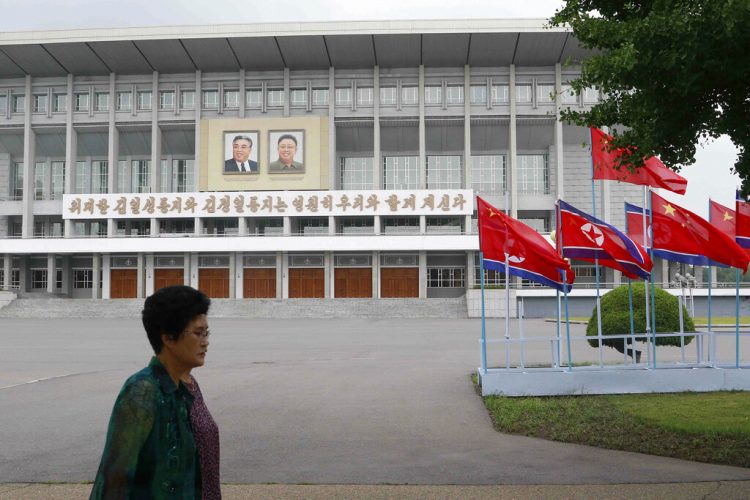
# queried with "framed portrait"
point(241, 152)
point(286, 152)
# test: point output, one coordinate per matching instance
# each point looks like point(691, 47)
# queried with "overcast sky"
point(709, 176)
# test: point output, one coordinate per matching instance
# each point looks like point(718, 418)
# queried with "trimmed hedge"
point(616, 316)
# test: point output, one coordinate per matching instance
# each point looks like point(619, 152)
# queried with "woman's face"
point(190, 349)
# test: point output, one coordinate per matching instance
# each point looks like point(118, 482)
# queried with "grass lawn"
point(705, 427)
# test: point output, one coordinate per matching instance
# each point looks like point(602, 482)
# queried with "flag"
point(587, 238)
point(634, 224)
point(530, 256)
point(682, 236)
point(653, 172)
point(722, 218)
point(742, 227)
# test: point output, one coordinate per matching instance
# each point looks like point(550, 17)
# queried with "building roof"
point(297, 46)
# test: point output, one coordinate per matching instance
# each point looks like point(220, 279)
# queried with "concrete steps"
point(248, 308)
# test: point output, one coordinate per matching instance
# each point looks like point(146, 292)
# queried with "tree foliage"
point(673, 72)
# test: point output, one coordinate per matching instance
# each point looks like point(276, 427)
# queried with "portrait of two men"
point(286, 152)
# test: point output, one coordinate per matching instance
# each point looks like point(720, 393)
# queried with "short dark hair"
point(169, 310)
point(242, 138)
point(287, 136)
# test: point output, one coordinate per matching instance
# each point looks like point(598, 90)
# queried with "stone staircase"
point(249, 308)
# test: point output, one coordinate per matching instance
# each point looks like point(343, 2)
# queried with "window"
point(454, 94)
point(401, 172)
point(99, 176)
point(166, 99)
point(591, 95)
point(59, 103)
point(101, 101)
point(388, 96)
point(446, 277)
point(356, 173)
point(275, 97)
point(533, 174)
point(38, 278)
point(444, 172)
point(320, 97)
point(232, 99)
point(40, 103)
point(433, 95)
point(58, 179)
point(538, 224)
point(488, 174)
point(122, 177)
point(569, 95)
point(491, 277)
point(479, 94)
point(365, 96)
point(500, 94)
point(144, 100)
point(141, 176)
point(545, 93)
point(40, 180)
point(210, 99)
point(298, 97)
point(523, 93)
point(344, 96)
point(19, 103)
point(409, 96)
point(81, 178)
point(187, 99)
point(124, 101)
point(16, 181)
point(253, 98)
point(182, 175)
point(3, 103)
point(83, 278)
point(81, 100)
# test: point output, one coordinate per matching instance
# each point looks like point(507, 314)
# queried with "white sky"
point(709, 176)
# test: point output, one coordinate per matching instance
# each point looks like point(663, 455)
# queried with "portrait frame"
point(229, 137)
point(275, 165)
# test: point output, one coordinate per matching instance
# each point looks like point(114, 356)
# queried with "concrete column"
point(186, 265)
point(243, 91)
point(333, 182)
point(141, 274)
point(242, 226)
point(155, 181)
point(71, 154)
point(422, 224)
point(96, 269)
point(329, 280)
point(51, 273)
point(239, 275)
point(106, 276)
point(7, 270)
point(376, 275)
point(29, 156)
point(197, 226)
point(287, 88)
point(331, 225)
point(470, 275)
point(376, 155)
point(467, 127)
point(559, 142)
point(113, 154)
point(232, 271)
point(283, 280)
point(287, 229)
point(23, 273)
point(198, 101)
point(422, 274)
point(150, 274)
point(377, 225)
point(194, 274)
point(422, 133)
point(467, 224)
point(512, 157)
point(66, 274)
point(664, 273)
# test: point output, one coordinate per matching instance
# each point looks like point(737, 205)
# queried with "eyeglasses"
point(202, 334)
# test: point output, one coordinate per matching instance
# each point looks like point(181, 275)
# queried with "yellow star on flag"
point(727, 216)
point(668, 209)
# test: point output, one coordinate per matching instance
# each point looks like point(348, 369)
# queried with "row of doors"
point(261, 283)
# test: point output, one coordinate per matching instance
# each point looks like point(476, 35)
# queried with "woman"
point(162, 441)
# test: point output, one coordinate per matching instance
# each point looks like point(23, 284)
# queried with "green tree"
point(673, 73)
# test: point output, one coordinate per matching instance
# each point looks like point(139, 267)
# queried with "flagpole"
point(596, 259)
point(709, 294)
point(559, 347)
point(630, 307)
point(507, 295)
point(648, 244)
point(564, 283)
point(737, 319)
point(653, 292)
point(484, 327)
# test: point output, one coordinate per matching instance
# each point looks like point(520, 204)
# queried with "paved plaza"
point(307, 401)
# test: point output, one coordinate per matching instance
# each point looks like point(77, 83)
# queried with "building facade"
point(118, 172)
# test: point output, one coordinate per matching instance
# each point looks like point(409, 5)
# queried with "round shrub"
point(616, 316)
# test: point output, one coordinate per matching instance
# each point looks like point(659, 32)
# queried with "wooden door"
point(399, 282)
point(354, 282)
point(306, 283)
point(259, 283)
point(214, 282)
point(168, 277)
point(124, 283)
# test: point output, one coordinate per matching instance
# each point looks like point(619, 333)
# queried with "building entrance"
point(124, 283)
point(168, 277)
point(214, 282)
point(399, 282)
point(353, 282)
point(306, 283)
point(259, 283)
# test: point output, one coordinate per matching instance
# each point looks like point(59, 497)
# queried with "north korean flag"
point(742, 224)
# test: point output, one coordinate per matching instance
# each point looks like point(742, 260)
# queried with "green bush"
point(616, 316)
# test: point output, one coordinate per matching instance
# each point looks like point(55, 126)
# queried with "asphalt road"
point(340, 401)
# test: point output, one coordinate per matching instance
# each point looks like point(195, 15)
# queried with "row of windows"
point(298, 97)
